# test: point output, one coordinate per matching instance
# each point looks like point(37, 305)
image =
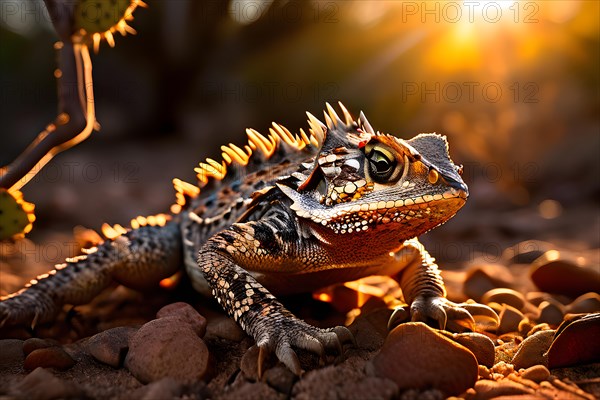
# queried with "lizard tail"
point(138, 258)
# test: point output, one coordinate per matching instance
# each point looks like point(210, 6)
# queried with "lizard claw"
point(300, 335)
point(447, 314)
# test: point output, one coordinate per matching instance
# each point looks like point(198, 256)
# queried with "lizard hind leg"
point(137, 259)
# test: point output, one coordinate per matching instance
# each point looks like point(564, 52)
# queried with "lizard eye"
point(381, 164)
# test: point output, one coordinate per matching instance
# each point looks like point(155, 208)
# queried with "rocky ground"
point(171, 344)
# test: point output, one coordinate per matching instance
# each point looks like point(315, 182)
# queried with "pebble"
point(487, 389)
point(483, 278)
point(537, 373)
point(280, 378)
point(480, 345)
point(49, 357)
point(165, 388)
point(557, 272)
point(167, 347)
point(504, 296)
point(110, 346)
point(225, 328)
point(551, 313)
point(525, 252)
point(586, 303)
point(577, 342)
point(36, 343)
point(510, 318)
point(370, 330)
point(41, 384)
point(11, 353)
point(415, 356)
point(186, 313)
point(532, 350)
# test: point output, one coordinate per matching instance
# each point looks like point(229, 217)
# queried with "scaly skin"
point(285, 213)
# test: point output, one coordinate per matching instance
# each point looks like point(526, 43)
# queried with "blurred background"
point(514, 86)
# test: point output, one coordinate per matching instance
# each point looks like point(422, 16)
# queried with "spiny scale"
point(262, 145)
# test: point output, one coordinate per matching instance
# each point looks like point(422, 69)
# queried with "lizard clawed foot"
point(299, 334)
point(449, 315)
point(27, 309)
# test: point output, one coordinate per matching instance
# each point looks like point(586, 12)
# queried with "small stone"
point(576, 342)
point(165, 388)
point(525, 326)
point(415, 356)
point(186, 313)
point(224, 328)
point(537, 373)
point(370, 330)
point(510, 318)
point(36, 343)
point(558, 272)
point(483, 278)
point(532, 350)
point(167, 347)
point(487, 389)
point(536, 298)
point(280, 378)
point(484, 372)
point(11, 353)
point(110, 346)
point(503, 369)
point(551, 313)
point(43, 385)
point(480, 345)
point(504, 296)
point(525, 252)
point(586, 303)
point(49, 357)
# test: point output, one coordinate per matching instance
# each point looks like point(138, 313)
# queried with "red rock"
point(186, 313)
point(167, 347)
point(532, 350)
point(415, 356)
point(110, 346)
point(49, 357)
point(577, 343)
point(557, 272)
point(480, 345)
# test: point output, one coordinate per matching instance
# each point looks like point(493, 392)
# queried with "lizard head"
point(362, 180)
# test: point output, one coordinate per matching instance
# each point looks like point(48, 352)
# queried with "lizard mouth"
point(424, 212)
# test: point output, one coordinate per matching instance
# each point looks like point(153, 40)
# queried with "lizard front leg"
point(137, 259)
point(423, 289)
point(261, 244)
